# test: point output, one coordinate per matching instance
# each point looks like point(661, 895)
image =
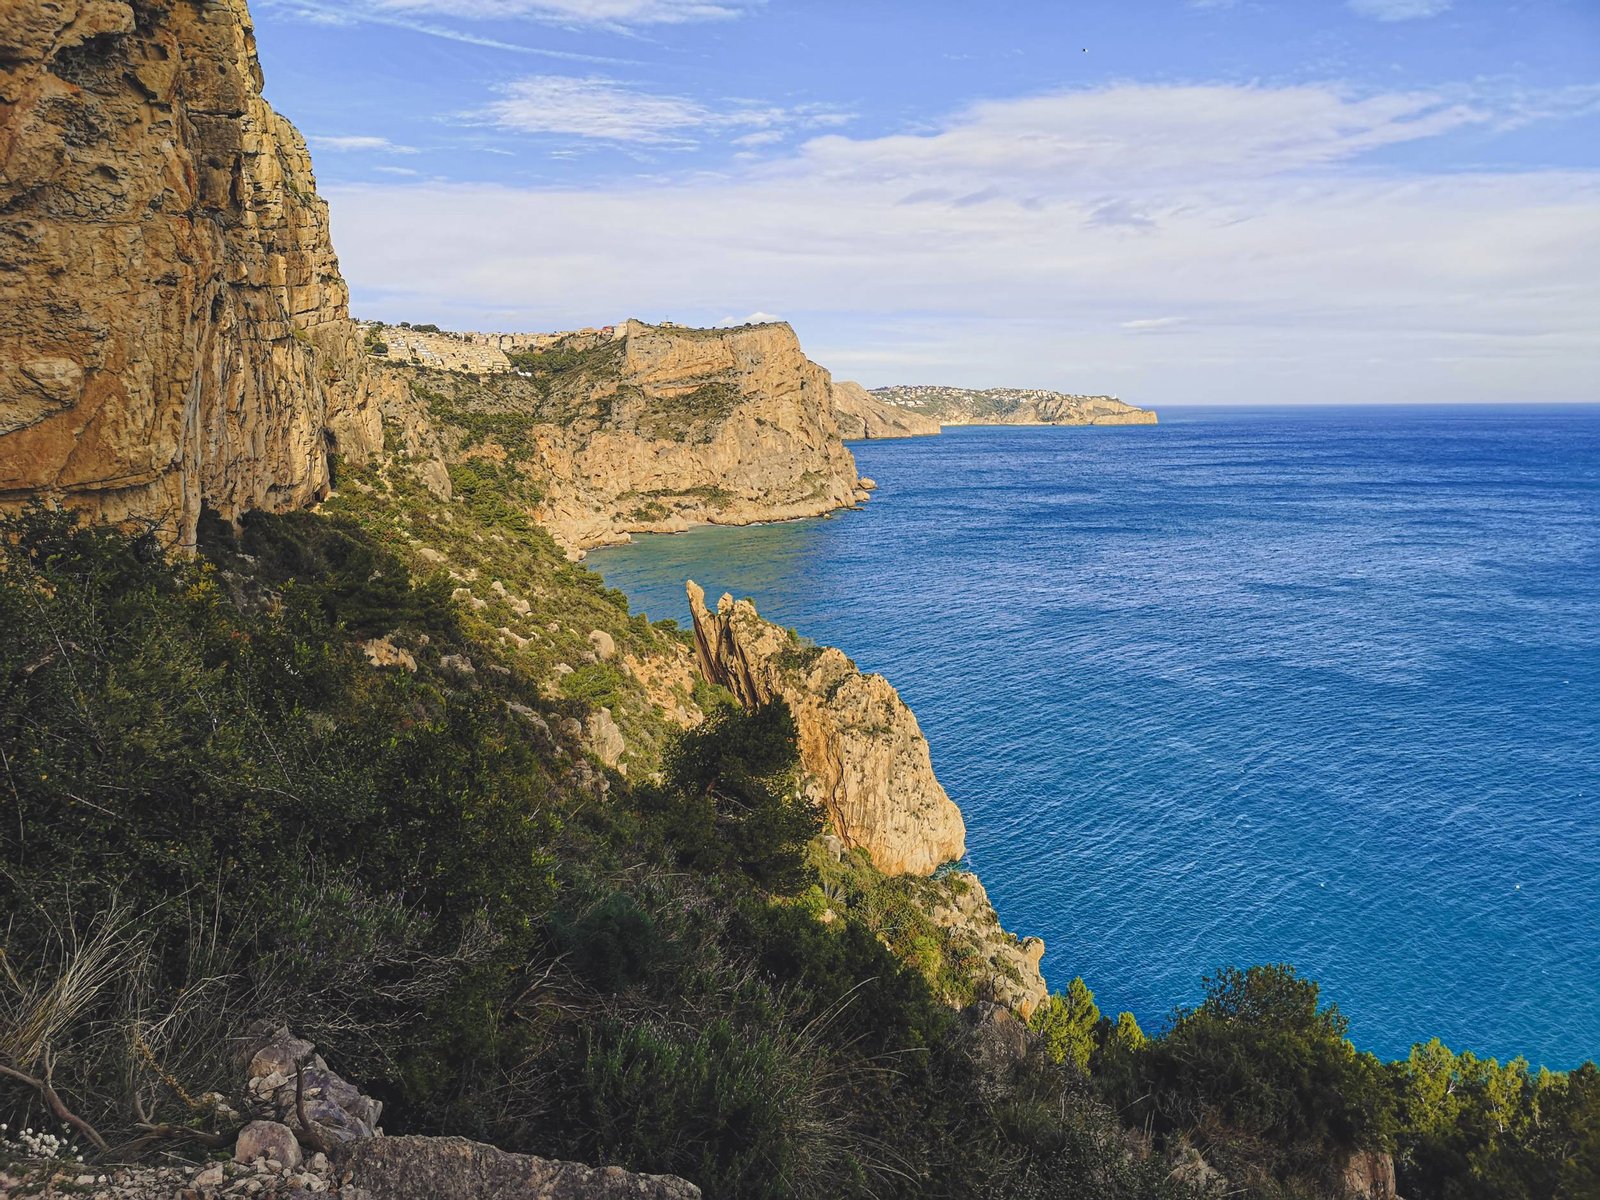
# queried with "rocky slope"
point(861, 415)
point(446, 350)
point(173, 324)
point(865, 758)
point(1011, 406)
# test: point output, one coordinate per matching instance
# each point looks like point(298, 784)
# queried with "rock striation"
point(865, 759)
point(862, 416)
point(174, 329)
point(1011, 406)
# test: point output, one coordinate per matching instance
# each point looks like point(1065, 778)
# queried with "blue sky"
point(1174, 200)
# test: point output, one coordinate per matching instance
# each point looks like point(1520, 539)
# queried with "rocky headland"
point(866, 764)
point(630, 429)
point(1010, 406)
point(865, 758)
point(173, 325)
point(665, 427)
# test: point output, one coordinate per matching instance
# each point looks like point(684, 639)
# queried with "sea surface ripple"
point(1318, 686)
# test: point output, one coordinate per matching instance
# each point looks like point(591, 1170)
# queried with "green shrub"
point(1264, 1060)
point(734, 796)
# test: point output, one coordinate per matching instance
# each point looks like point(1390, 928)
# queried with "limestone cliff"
point(1011, 406)
point(861, 415)
point(706, 426)
point(173, 324)
point(864, 756)
point(655, 429)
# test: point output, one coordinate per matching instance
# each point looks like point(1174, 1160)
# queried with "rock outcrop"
point(338, 1154)
point(1014, 980)
point(173, 325)
point(864, 756)
point(862, 416)
point(1011, 406)
point(1369, 1175)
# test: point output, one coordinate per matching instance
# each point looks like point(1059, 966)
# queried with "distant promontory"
point(1007, 406)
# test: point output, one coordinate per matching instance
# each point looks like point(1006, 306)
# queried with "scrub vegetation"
point(215, 807)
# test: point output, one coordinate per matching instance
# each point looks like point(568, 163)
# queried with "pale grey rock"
point(267, 1140)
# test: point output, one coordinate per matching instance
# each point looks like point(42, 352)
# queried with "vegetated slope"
point(296, 776)
point(652, 429)
point(1011, 406)
point(423, 867)
point(173, 324)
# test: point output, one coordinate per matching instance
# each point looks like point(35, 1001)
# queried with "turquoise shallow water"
point(1317, 685)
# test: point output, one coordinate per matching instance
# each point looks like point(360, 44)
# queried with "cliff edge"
point(703, 426)
point(174, 329)
point(866, 763)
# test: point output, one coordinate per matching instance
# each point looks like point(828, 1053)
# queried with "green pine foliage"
point(1068, 1024)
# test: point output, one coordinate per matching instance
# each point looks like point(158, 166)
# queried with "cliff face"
point(862, 415)
point(725, 427)
point(1010, 406)
point(173, 324)
point(863, 753)
point(655, 429)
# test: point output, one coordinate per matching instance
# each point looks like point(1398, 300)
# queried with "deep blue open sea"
point(1314, 685)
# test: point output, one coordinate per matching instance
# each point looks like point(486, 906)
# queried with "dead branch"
point(56, 1105)
point(309, 1134)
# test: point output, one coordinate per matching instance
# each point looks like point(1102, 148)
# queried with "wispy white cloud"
point(361, 142)
point(605, 109)
point(357, 12)
point(1398, 10)
point(1140, 133)
point(605, 13)
point(1014, 243)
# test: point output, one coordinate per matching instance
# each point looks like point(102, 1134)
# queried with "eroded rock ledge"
point(173, 324)
point(864, 755)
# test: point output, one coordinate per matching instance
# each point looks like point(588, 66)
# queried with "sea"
point(1311, 685)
